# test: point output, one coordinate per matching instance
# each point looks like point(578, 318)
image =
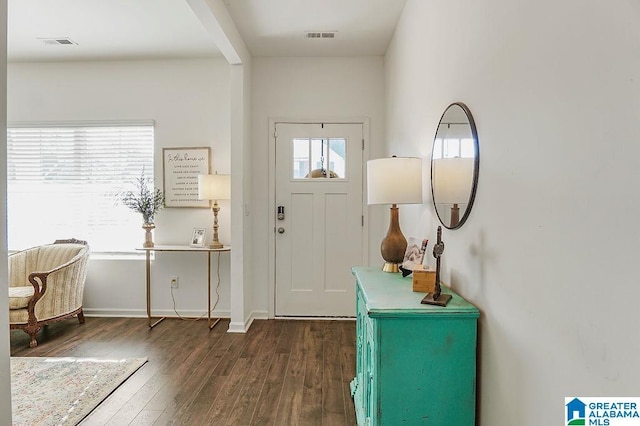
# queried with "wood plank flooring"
point(281, 372)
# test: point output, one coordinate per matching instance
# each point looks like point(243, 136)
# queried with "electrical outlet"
point(174, 282)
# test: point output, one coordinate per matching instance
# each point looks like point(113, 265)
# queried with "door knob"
point(281, 230)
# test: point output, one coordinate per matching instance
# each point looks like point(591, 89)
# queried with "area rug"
point(63, 391)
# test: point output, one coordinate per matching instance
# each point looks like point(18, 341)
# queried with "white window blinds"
point(63, 181)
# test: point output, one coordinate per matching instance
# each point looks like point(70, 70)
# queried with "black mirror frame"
point(476, 165)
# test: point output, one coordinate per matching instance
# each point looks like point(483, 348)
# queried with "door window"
point(319, 158)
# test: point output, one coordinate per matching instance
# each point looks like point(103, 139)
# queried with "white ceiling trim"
point(215, 18)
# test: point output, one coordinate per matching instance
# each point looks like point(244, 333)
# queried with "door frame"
point(364, 121)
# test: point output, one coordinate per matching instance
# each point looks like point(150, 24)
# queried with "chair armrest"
point(42, 275)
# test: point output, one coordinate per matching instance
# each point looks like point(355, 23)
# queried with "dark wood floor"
point(281, 372)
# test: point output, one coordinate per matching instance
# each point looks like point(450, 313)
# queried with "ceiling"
point(153, 29)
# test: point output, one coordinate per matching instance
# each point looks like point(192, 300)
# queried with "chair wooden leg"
point(81, 316)
point(32, 331)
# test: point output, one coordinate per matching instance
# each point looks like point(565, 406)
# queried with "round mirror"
point(454, 166)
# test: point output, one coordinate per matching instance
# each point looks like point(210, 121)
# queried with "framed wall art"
point(180, 170)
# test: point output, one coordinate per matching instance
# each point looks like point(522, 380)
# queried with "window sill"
point(124, 255)
point(117, 255)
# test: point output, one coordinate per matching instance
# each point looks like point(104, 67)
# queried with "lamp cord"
point(214, 305)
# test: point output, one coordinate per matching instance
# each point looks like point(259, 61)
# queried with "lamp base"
point(390, 267)
point(394, 244)
point(455, 216)
point(442, 300)
point(216, 245)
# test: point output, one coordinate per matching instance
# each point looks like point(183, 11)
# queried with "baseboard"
point(234, 327)
point(141, 313)
point(243, 327)
point(260, 315)
point(316, 318)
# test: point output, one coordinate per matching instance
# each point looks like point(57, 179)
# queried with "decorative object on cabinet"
point(413, 256)
point(213, 188)
point(415, 364)
point(180, 170)
point(148, 235)
point(197, 238)
point(146, 200)
point(437, 297)
point(424, 279)
point(395, 180)
point(454, 165)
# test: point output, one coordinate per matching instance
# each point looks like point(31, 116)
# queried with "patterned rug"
point(63, 391)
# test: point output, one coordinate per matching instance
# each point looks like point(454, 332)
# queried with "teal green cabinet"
point(415, 363)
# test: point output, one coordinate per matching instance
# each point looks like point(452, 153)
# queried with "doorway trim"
point(364, 121)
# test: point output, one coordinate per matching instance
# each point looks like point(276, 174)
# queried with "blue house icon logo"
point(576, 412)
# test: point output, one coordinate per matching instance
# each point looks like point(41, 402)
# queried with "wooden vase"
point(148, 236)
point(394, 243)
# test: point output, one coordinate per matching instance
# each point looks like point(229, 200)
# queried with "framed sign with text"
point(181, 167)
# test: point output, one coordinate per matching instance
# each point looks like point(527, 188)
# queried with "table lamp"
point(453, 179)
point(395, 180)
point(213, 188)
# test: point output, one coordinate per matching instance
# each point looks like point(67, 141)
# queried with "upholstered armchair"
point(46, 284)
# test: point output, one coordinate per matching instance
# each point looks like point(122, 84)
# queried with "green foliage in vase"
point(144, 199)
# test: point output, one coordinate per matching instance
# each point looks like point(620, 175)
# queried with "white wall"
point(190, 103)
point(306, 89)
point(189, 100)
point(549, 253)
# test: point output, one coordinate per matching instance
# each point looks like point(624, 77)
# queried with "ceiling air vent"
point(60, 41)
point(320, 34)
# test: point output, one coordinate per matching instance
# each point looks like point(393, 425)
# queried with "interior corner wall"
point(189, 100)
point(549, 253)
point(305, 88)
point(5, 372)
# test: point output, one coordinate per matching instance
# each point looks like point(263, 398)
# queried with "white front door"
point(319, 233)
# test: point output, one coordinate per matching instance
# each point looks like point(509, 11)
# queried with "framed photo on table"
point(414, 255)
point(198, 236)
point(180, 170)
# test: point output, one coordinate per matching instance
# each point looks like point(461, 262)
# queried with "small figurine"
point(437, 298)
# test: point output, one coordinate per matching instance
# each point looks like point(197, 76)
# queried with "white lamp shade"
point(394, 180)
point(452, 180)
point(214, 187)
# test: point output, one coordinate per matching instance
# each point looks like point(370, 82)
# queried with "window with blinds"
point(63, 181)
